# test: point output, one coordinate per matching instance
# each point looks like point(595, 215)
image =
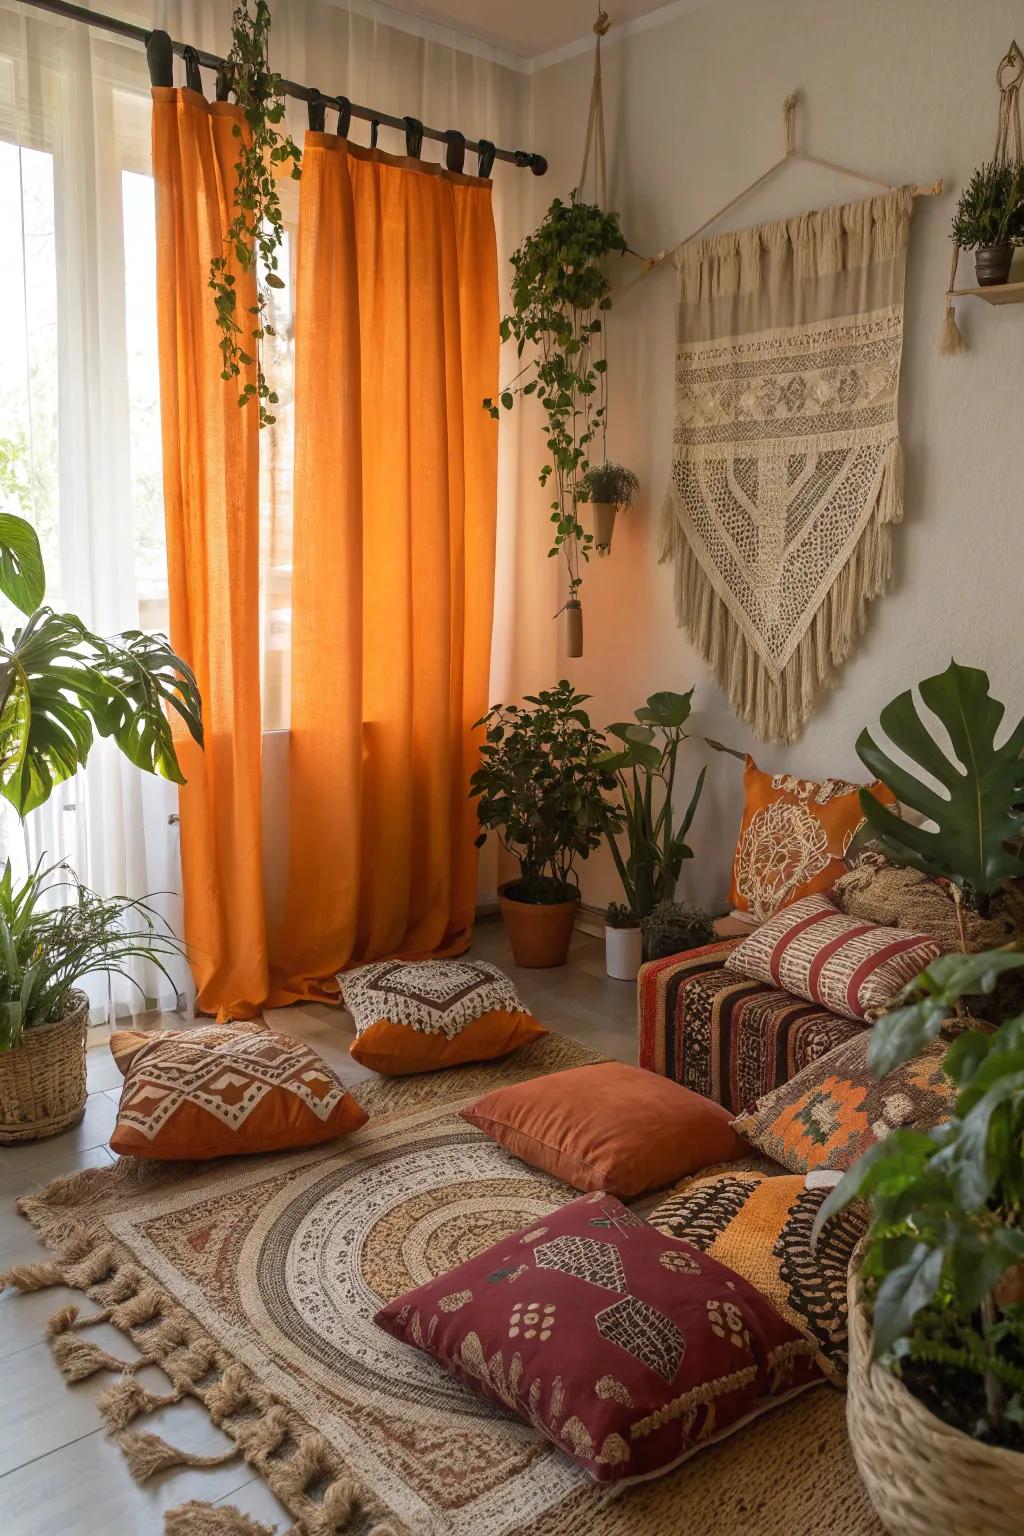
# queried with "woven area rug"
point(253, 1283)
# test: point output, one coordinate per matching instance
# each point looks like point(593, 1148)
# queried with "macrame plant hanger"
point(1009, 77)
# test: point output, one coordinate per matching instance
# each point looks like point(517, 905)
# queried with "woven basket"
point(923, 1476)
point(42, 1080)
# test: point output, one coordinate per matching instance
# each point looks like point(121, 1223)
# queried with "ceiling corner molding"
point(440, 32)
point(618, 33)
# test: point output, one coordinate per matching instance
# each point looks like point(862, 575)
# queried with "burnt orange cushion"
point(608, 1127)
point(220, 1089)
point(793, 837)
point(397, 1050)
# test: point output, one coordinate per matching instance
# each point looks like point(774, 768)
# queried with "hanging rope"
point(1009, 76)
point(595, 124)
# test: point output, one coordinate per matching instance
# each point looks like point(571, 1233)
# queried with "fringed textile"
point(787, 472)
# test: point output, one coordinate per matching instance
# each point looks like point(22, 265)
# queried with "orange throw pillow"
point(608, 1127)
point(793, 837)
point(219, 1090)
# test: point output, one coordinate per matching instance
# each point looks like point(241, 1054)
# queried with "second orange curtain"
point(396, 341)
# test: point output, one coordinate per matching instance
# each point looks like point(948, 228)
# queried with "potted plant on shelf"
point(644, 763)
point(559, 292)
point(936, 1394)
point(609, 488)
point(541, 787)
point(989, 219)
point(60, 686)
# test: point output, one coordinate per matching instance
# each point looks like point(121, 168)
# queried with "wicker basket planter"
point(42, 1080)
point(923, 1476)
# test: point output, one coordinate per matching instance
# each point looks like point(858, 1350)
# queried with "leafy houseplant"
point(940, 1305)
point(672, 927)
point(609, 488)
point(623, 942)
point(256, 232)
point(990, 218)
point(559, 291)
point(541, 787)
point(60, 686)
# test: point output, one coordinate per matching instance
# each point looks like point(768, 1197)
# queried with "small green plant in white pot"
point(623, 942)
point(609, 488)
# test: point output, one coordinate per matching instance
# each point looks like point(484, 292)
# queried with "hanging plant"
point(256, 233)
point(558, 293)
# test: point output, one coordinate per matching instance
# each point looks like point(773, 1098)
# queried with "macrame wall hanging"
point(1008, 152)
point(787, 470)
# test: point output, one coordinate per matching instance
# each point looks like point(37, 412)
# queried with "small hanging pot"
point(572, 627)
point(992, 264)
point(604, 525)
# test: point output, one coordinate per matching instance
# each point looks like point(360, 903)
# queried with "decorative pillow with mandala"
point(221, 1090)
point(793, 837)
point(812, 950)
point(627, 1349)
point(836, 1108)
point(760, 1226)
point(417, 1016)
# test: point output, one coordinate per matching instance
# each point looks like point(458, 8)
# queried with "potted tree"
point(644, 763)
point(609, 488)
point(559, 293)
point(541, 787)
point(989, 219)
point(60, 686)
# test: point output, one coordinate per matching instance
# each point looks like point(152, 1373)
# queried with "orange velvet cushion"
point(419, 1015)
point(219, 1090)
point(793, 837)
point(608, 1127)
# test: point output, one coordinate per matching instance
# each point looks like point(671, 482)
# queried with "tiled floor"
point(58, 1472)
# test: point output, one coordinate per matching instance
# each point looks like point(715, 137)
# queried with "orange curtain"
point(211, 498)
point(396, 339)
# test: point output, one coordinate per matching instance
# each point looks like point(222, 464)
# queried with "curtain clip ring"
point(413, 137)
point(486, 151)
point(193, 74)
point(316, 107)
point(374, 131)
point(455, 157)
point(344, 107)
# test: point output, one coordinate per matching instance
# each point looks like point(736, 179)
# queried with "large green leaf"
point(22, 577)
point(977, 808)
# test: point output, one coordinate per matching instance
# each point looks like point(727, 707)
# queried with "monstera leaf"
point(980, 805)
point(22, 577)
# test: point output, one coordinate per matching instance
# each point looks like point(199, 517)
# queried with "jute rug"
point(252, 1283)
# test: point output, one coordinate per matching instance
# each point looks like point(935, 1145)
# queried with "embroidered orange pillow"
point(419, 1015)
point(220, 1090)
point(793, 837)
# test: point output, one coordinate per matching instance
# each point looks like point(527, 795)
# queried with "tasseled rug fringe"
point(297, 1463)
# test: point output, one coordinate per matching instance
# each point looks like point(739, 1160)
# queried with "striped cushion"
point(852, 968)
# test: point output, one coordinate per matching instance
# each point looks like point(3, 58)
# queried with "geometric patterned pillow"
point(627, 1349)
point(221, 1090)
point(417, 1016)
point(836, 1108)
point(852, 968)
point(760, 1226)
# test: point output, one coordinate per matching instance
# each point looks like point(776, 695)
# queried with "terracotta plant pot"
point(992, 264)
point(623, 952)
point(539, 932)
point(572, 628)
point(604, 525)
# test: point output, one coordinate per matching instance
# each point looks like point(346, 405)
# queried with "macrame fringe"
point(777, 710)
point(951, 341)
point(297, 1463)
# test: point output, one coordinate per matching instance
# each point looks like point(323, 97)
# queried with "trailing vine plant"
point(256, 233)
point(559, 291)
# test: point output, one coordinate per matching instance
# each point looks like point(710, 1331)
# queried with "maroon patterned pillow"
point(629, 1349)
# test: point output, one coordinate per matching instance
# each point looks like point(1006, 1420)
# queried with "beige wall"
point(903, 88)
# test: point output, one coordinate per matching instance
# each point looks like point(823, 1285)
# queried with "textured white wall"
point(903, 89)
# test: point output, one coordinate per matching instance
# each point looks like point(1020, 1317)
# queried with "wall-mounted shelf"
point(1001, 293)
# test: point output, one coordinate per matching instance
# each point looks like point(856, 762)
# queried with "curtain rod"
point(160, 49)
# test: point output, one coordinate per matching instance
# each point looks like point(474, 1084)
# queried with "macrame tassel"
point(77, 1358)
point(951, 341)
point(195, 1519)
point(147, 1455)
point(32, 1277)
point(127, 1398)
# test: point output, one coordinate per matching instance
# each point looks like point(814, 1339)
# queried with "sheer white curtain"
point(79, 401)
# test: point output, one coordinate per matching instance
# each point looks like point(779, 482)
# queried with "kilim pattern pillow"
point(627, 1349)
point(760, 1226)
point(793, 837)
point(417, 1016)
point(836, 1108)
point(219, 1090)
point(852, 968)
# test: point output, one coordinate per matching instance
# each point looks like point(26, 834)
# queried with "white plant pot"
point(604, 525)
point(623, 952)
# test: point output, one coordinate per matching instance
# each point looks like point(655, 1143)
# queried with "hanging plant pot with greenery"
point(990, 220)
point(609, 488)
point(559, 295)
